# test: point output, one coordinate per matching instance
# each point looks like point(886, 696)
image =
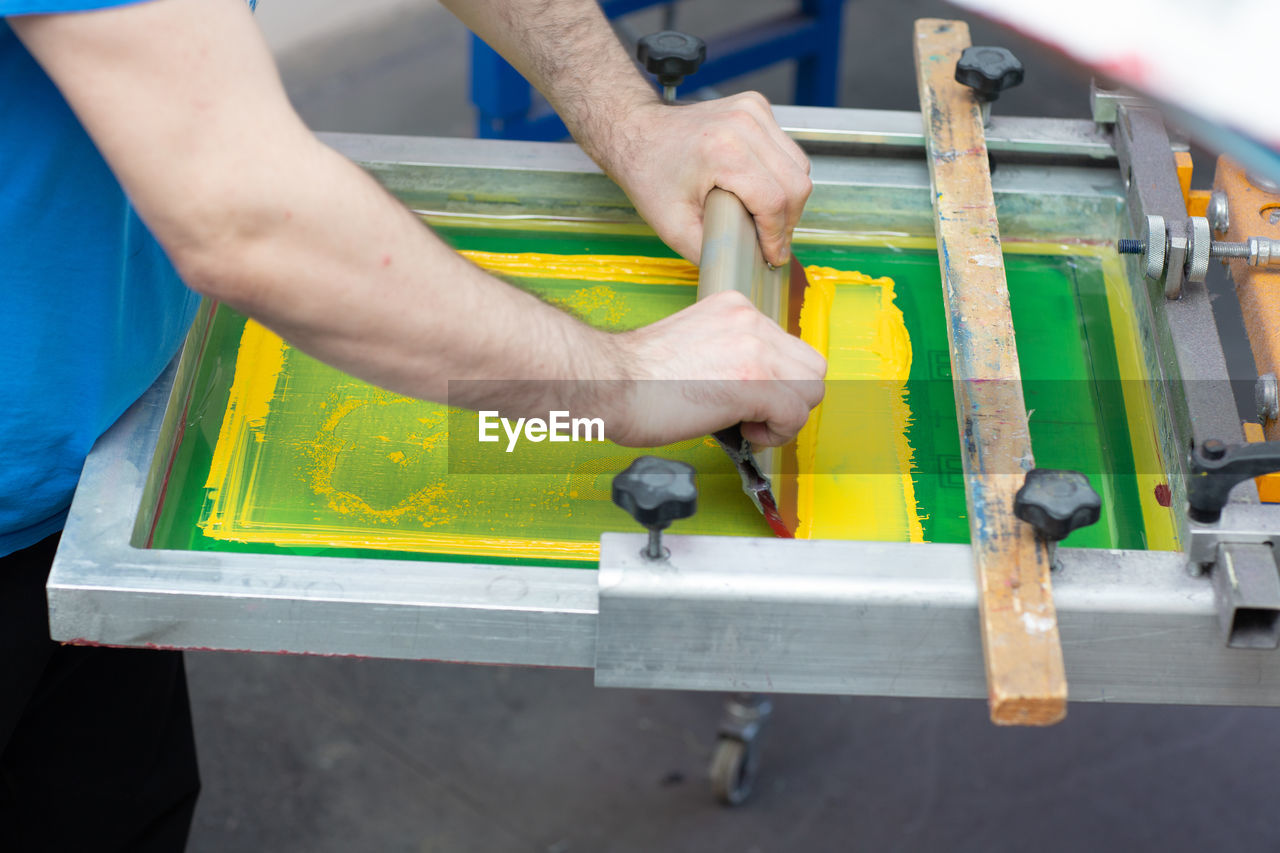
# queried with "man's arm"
point(666, 158)
point(183, 100)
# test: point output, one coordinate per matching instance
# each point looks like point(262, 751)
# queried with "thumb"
point(680, 227)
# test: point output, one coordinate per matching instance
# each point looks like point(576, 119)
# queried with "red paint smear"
point(1164, 496)
point(771, 515)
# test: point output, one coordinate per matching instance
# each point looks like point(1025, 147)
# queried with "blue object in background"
point(507, 107)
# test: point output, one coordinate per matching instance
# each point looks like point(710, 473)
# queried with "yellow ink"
point(234, 465)
point(358, 467)
point(854, 461)
point(1158, 521)
point(608, 268)
point(372, 469)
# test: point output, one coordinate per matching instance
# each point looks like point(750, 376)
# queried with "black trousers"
point(96, 749)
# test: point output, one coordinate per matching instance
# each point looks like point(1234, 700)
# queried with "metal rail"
point(1057, 137)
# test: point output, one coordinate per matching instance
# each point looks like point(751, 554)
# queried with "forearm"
point(254, 211)
point(567, 49)
point(320, 253)
point(182, 99)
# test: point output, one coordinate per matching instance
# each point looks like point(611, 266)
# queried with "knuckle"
point(772, 201)
point(754, 100)
point(733, 300)
point(719, 139)
point(755, 353)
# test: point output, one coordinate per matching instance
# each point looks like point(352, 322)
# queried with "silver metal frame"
point(838, 617)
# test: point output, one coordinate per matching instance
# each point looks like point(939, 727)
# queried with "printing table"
point(726, 613)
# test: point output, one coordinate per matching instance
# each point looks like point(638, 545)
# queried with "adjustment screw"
point(656, 492)
point(1056, 502)
point(988, 71)
point(671, 56)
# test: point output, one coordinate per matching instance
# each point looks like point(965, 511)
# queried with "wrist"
point(612, 383)
point(610, 131)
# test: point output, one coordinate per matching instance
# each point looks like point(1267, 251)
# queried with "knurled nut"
point(1198, 257)
point(1156, 238)
point(1219, 212)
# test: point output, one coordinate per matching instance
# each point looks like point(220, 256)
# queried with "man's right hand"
point(714, 364)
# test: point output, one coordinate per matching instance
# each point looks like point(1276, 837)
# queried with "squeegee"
point(732, 260)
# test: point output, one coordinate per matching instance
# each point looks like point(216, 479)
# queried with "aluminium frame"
point(854, 618)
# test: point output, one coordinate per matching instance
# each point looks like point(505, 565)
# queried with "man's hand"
point(667, 158)
point(713, 364)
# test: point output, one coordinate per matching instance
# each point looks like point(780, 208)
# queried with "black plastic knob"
point(656, 491)
point(988, 71)
point(671, 55)
point(1216, 469)
point(1056, 502)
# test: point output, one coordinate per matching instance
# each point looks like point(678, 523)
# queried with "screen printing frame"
point(724, 613)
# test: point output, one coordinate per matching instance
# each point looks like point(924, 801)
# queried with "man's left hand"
point(667, 158)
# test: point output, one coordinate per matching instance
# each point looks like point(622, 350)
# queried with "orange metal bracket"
point(1268, 484)
point(1254, 213)
point(1197, 201)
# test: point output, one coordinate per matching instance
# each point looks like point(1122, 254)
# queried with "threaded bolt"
point(1257, 251)
point(1219, 249)
point(1131, 247)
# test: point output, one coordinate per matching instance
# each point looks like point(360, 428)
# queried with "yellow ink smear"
point(609, 268)
point(853, 456)
point(309, 457)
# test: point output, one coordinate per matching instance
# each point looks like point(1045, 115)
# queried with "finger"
point(813, 363)
point(783, 156)
point(760, 435)
point(775, 192)
point(781, 415)
point(810, 360)
point(680, 228)
point(768, 204)
point(795, 378)
point(759, 107)
point(810, 391)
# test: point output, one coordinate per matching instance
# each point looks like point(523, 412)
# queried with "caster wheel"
point(733, 770)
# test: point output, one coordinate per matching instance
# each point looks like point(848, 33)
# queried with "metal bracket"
point(1217, 468)
point(1239, 524)
point(1239, 549)
point(1246, 586)
point(1105, 103)
point(1151, 181)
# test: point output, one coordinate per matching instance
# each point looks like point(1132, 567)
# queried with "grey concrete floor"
point(314, 754)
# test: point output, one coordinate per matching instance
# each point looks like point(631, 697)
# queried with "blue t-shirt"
point(91, 310)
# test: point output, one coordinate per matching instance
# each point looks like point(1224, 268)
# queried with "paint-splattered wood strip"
point(1026, 682)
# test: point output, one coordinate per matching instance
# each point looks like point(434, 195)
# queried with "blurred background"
point(316, 754)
